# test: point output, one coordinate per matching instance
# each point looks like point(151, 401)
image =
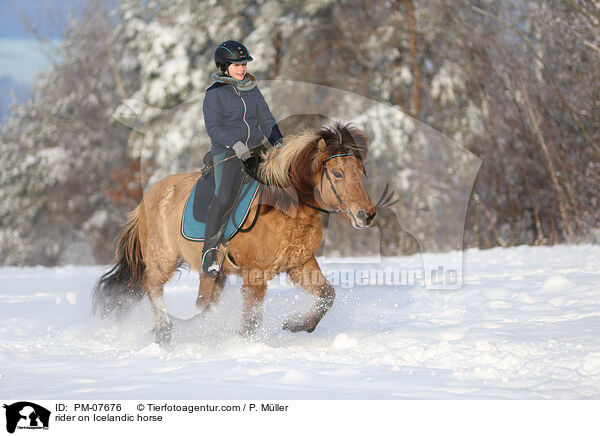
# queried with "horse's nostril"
point(362, 215)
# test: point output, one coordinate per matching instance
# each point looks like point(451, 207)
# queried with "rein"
point(206, 168)
point(323, 172)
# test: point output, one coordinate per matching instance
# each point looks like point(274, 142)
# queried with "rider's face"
point(237, 71)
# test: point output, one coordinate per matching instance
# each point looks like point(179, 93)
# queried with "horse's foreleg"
point(253, 291)
point(312, 280)
point(154, 280)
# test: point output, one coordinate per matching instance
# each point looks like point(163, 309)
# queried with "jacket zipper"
point(244, 116)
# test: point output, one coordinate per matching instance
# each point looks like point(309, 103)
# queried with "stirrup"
point(214, 268)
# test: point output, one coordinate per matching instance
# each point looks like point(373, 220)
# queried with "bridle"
point(325, 172)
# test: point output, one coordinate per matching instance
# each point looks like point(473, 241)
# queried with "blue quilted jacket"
point(231, 116)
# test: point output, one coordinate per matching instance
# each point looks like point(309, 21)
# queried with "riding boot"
point(212, 239)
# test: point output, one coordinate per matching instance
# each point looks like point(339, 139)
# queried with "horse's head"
point(339, 175)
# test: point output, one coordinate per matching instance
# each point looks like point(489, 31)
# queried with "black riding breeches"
point(227, 172)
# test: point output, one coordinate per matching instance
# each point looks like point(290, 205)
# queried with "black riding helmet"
point(231, 52)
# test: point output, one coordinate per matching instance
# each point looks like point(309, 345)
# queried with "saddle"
point(193, 221)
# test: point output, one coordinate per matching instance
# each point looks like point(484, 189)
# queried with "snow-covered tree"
point(58, 152)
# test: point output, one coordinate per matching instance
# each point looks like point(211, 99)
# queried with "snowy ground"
point(525, 325)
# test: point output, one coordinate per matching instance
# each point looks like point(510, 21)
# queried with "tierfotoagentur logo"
point(26, 416)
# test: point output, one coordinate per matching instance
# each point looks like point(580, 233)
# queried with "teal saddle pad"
point(193, 221)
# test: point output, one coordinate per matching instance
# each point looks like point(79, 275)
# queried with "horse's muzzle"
point(364, 219)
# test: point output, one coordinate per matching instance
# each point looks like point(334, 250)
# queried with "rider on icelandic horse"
point(237, 119)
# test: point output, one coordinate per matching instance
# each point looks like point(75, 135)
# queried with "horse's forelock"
point(344, 138)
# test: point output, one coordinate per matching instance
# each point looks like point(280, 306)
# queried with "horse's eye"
point(337, 175)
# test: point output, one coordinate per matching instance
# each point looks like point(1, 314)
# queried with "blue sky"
point(21, 55)
point(21, 58)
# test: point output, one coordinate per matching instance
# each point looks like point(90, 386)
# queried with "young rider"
point(237, 119)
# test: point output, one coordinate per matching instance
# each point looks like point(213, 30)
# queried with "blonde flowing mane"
point(278, 162)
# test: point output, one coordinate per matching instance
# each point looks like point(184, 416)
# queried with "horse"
point(307, 174)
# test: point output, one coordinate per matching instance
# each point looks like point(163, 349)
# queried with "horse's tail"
point(121, 286)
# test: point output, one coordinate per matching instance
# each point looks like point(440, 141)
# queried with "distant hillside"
point(11, 90)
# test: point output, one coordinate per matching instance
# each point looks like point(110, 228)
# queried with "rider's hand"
point(241, 150)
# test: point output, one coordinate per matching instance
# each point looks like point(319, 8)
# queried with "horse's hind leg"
point(312, 280)
point(154, 280)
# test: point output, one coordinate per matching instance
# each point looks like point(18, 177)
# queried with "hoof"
point(295, 325)
point(163, 335)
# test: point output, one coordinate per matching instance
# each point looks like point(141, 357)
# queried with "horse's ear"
point(322, 145)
